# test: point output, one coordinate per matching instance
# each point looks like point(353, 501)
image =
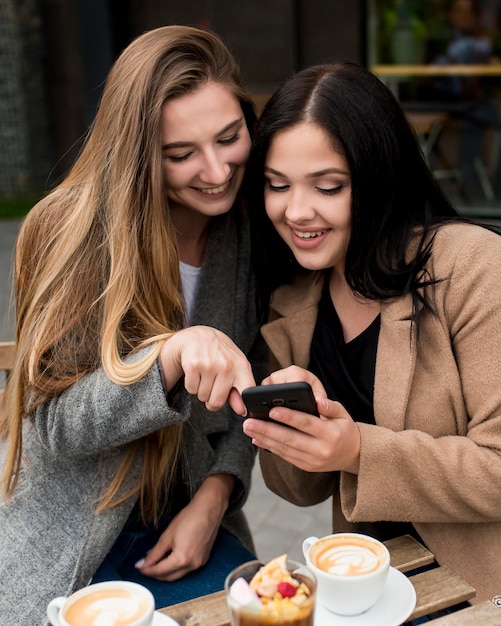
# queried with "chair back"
point(7, 355)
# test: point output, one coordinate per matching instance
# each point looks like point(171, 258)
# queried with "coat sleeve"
point(96, 415)
point(295, 485)
point(234, 454)
point(449, 471)
point(218, 437)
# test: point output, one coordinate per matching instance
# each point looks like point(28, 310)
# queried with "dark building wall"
point(80, 39)
point(270, 38)
point(331, 30)
point(78, 55)
point(25, 155)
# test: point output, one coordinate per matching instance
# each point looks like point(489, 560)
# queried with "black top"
point(345, 369)
point(347, 372)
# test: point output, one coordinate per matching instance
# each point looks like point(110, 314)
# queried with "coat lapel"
point(294, 313)
point(395, 363)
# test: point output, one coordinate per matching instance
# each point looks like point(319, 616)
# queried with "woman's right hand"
point(214, 368)
point(327, 444)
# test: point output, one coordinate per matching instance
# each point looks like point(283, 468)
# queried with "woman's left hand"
point(326, 444)
point(187, 542)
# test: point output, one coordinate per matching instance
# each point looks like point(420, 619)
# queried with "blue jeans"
point(227, 554)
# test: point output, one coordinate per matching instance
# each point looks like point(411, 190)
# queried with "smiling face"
point(205, 145)
point(308, 196)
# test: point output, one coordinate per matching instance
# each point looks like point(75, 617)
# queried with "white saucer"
point(160, 619)
point(392, 608)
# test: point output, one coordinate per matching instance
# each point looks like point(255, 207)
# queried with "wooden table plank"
point(208, 610)
point(481, 614)
point(408, 554)
point(437, 589)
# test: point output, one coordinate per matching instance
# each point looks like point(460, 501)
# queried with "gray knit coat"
point(51, 541)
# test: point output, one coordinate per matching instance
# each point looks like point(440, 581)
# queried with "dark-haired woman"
point(389, 304)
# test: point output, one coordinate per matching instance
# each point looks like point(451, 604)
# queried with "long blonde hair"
point(96, 271)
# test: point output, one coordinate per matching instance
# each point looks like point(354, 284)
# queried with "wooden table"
point(391, 74)
point(436, 589)
point(452, 69)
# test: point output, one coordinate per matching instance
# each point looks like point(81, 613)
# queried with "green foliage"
point(16, 207)
point(426, 20)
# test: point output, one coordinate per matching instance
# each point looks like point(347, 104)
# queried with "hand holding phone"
point(261, 399)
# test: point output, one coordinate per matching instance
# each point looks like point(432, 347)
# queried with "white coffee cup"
point(351, 570)
point(117, 603)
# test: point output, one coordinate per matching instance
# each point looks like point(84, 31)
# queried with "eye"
point(331, 190)
point(229, 140)
point(177, 158)
point(277, 188)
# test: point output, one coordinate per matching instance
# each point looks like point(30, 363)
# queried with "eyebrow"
point(185, 144)
point(327, 170)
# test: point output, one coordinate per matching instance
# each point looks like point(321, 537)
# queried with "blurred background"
point(440, 57)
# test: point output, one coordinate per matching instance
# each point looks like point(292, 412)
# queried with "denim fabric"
point(227, 553)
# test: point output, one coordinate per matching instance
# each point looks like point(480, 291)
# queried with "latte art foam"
point(347, 559)
point(111, 607)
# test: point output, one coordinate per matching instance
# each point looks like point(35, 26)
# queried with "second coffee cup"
point(351, 570)
point(116, 602)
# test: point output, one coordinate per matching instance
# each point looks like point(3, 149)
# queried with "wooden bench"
point(7, 354)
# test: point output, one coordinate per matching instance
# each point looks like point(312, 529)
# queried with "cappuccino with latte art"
point(347, 556)
point(113, 603)
point(114, 607)
point(351, 570)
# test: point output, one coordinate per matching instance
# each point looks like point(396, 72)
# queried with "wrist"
point(215, 491)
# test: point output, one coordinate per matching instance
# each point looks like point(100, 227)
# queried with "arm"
point(187, 542)
point(301, 463)
point(294, 485)
point(96, 414)
point(223, 487)
point(446, 465)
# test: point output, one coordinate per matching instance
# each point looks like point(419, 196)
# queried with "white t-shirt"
point(189, 282)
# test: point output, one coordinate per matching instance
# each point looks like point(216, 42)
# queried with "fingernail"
point(139, 564)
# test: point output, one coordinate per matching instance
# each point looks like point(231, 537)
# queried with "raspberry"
point(286, 590)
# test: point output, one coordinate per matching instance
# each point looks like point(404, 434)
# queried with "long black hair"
point(393, 190)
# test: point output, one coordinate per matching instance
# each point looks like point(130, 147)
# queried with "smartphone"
point(298, 396)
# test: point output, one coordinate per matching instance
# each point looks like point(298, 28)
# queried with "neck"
point(192, 232)
point(355, 313)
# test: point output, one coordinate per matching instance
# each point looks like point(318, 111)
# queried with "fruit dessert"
point(274, 595)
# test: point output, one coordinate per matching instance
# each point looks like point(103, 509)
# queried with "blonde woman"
point(135, 313)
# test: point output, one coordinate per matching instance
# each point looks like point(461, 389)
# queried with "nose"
point(215, 168)
point(299, 206)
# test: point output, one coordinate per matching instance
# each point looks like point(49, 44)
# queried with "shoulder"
point(466, 262)
point(461, 234)
point(463, 247)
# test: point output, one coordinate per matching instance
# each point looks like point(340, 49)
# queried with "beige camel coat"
point(434, 457)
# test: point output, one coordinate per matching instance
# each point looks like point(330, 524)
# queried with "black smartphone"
point(261, 399)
